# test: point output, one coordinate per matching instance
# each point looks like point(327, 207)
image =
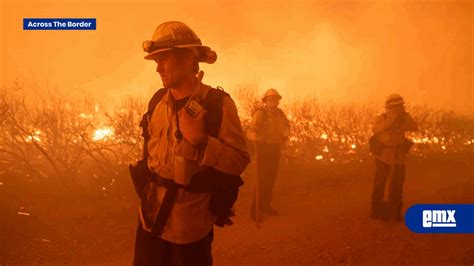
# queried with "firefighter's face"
point(173, 68)
point(272, 101)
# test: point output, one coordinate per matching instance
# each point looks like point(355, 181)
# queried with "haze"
point(344, 51)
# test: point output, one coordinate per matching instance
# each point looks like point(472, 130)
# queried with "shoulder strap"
point(155, 99)
point(213, 104)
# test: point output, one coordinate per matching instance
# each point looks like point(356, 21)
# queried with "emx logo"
point(438, 218)
point(441, 218)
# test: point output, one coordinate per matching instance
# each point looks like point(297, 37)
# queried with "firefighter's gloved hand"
point(193, 128)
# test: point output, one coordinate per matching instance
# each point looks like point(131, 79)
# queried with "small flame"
point(34, 137)
point(85, 116)
point(323, 136)
point(30, 139)
point(102, 134)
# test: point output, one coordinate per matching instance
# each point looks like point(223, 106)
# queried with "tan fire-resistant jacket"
point(191, 218)
point(269, 126)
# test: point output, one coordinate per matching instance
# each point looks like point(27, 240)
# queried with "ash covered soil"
point(324, 220)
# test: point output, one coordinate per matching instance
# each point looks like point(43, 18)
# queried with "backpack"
point(223, 187)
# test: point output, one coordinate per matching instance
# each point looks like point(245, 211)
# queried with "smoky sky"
point(347, 51)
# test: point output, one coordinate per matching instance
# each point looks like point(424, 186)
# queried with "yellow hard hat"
point(271, 92)
point(394, 99)
point(175, 34)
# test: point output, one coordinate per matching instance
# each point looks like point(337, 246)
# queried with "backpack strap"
point(213, 103)
point(155, 99)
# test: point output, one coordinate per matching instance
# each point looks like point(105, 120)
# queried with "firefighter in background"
point(390, 147)
point(269, 131)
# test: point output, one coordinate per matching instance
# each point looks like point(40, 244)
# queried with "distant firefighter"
point(269, 131)
point(390, 147)
point(194, 152)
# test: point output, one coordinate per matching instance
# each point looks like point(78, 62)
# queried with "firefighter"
point(194, 153)
point(269, 130)
point(390, 147)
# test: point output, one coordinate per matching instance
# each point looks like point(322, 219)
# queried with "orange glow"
point(355, 51)
point(72, 102)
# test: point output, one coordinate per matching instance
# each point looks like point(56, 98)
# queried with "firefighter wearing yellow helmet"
point(194, 152)
point(390, 147)
point(269, 130)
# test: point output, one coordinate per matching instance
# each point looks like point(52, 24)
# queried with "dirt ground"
point(324, 221)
